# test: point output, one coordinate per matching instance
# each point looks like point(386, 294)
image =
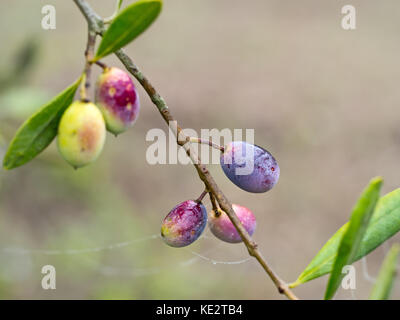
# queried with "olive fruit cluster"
point(82, 128)
point(81, 137)
point(185, 223)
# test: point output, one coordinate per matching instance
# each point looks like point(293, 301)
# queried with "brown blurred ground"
point(323, 100)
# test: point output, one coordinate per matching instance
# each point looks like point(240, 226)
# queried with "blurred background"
point(324, 101)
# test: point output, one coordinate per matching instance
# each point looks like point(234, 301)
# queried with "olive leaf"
point(387, 273)
point(127, 25)
point(39, 130)
point(351, 240)
point(385, 223)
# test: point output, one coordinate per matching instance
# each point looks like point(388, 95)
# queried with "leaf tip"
point(6, 162)
point(8, 166)
point(378, 181)
point(9, 163)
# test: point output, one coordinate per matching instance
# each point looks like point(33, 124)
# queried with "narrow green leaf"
point(385, 223)
point(351, 240)
point(387, 274)
point(39, 130)
point(127, 25)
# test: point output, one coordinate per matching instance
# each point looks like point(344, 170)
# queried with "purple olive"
point(184, 224)
point(250, 167)
point(118, 100)
point(222, 227)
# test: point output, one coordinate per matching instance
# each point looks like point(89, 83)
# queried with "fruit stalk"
point(89, 53)
point(201, 197)
point(207, 142)
point(96, 24)
point(214, 204)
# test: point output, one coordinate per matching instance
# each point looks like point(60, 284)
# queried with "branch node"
point(254, 245)
point(204, 169)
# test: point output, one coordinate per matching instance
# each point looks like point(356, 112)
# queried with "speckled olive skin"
point(81, 134)
point(222, 227)
point(184, 224)
point(118, 100)
point(250, 167)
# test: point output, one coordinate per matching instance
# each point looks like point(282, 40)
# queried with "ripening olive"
point(222, 227)
point(184, 224)
point(81, 133)
point(250, 167)
point(118, 100)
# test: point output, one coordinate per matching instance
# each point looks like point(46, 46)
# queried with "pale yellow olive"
point(81, 134)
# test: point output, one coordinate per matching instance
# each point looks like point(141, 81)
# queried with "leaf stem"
point(112, 17)
point(208, 142)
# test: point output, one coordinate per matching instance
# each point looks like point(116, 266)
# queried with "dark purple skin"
point(265, 170)
point(184, 224)
point(117, 98)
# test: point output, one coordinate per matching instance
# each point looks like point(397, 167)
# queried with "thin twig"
point(207, 142)
point(201, 197)
point(101, 64)
point(111, 19)
point(214, 204)
point(97, 25)
point(89, 54)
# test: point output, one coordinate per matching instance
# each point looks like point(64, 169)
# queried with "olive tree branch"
point(96, 24)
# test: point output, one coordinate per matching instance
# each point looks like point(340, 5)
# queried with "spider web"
point(109, 270)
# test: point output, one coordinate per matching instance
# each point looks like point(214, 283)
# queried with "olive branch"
point(374, 218)
point(96, 25)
